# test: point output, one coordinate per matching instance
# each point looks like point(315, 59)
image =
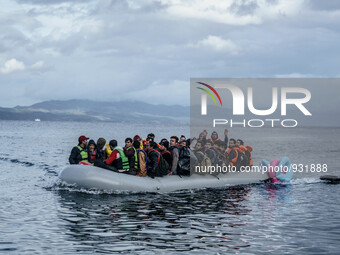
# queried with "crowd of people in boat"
point(148, 158)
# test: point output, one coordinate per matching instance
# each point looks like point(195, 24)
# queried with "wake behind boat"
point(91, 177)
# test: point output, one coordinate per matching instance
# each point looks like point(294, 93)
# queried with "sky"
point(148, 50)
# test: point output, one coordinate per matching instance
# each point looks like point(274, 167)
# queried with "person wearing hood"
point(92, 151)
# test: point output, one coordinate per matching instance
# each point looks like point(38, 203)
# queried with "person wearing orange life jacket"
point(214, 137)
point(232, 152)
point(247, 150)
point(156, 165)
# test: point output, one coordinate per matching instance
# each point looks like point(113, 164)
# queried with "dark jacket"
point(167, 156)
point(101, 154)
point(75, 156)
point(212, 155)
point(152, 163)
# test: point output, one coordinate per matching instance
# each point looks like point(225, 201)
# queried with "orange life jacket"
point(93, 156)
point(158, 154)
point(250, 149)
point(233, 161)
point(245, 149)
point(242, 148)
point(212, 141)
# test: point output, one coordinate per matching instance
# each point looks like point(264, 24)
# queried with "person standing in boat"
point(79, 152)
point(214, 137)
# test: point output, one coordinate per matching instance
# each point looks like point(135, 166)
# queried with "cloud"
point(38, 65)
point(163, 92)
point(214, 10)
point(217, 43)
point(50, 2)
point(149, 49)
point(12, 65)
point(325, 5)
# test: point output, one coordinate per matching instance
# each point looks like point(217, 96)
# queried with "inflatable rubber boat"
point(91, 177)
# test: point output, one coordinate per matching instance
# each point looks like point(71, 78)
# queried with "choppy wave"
point(17, 161)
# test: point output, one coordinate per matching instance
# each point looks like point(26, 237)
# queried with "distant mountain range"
point(140, 112)
point(87, 110)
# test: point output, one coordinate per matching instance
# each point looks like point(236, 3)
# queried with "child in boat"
point(92, 151)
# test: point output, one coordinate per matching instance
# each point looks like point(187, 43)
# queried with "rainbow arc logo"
point(209, 93)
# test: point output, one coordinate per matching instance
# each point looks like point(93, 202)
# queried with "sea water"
point(40, 215)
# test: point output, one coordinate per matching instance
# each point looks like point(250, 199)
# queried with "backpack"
point(163, 167)
point(205, 162)
point(184, 161)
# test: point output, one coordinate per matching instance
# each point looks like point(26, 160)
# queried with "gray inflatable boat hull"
point(92, 177)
